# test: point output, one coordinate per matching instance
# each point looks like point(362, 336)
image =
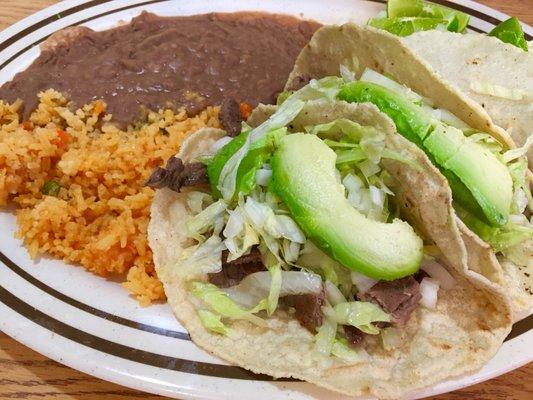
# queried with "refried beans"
point(156, 62)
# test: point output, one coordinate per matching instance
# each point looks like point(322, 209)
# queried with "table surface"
point(25, 374)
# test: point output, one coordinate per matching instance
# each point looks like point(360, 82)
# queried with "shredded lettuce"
point(283, 96)
point(342, 350)
point(196, 201)
point(499, 238)
point(257, 286)
point(513, 154)
point(203, 221)
point(275, 288)
point(520, 254)
point(361, 315)
point(500, 91)
point(257, 154)
point(521, 185)
point(334, 294)
point(241, 244)
point(313, 259)
point(369, 75)
point(325, 337)
point(205, 257)
point(222, 304)
point(343, 129)
point(213, 323)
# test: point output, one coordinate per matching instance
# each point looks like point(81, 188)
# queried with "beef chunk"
point(230, 117)
point(235, 271)
point(176, 175)
point(299, 81)
point(354, 336)
point(399, 298)
point(308, 308)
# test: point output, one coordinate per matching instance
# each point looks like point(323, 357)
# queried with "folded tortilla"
point(361, 47)
point(458, 337)
point(497, 75)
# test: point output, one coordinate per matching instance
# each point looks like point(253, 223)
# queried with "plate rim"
point(11, 32)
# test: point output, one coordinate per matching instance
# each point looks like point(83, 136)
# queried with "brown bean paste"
point(155, 62)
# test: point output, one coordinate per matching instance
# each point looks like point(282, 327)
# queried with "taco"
point(497, 75)
point(488, 175)
point(291, 259)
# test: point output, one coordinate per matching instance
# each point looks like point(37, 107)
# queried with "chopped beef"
point(308, 308)
point(176, 174)
point(299, 81)
point(230, 117)
point(233, 272)
point(354, 336)
point(399, 298)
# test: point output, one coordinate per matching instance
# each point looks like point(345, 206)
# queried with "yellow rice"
point(100, 215)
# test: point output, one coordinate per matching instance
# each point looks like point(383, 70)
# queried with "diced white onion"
point(429, 289)
point(352, 182)
point(362, 282)
point(377, 195)
point(262, 177)
point(291, 251)
point(220, 143)
point(439, 273)
point(334, 294)
point(256, 286)
point(369, 75)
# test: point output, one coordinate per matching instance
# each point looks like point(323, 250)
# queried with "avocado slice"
point(303, 176)
point(477, 170)
point(410, 121)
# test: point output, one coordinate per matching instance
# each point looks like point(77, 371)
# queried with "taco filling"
point(304, 222)
point(490, 186)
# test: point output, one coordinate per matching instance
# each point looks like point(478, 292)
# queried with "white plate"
point(93, 325)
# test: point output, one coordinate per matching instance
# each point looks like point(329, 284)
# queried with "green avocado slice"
point(476, 168)
point(303, 176)
point(408, 117)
